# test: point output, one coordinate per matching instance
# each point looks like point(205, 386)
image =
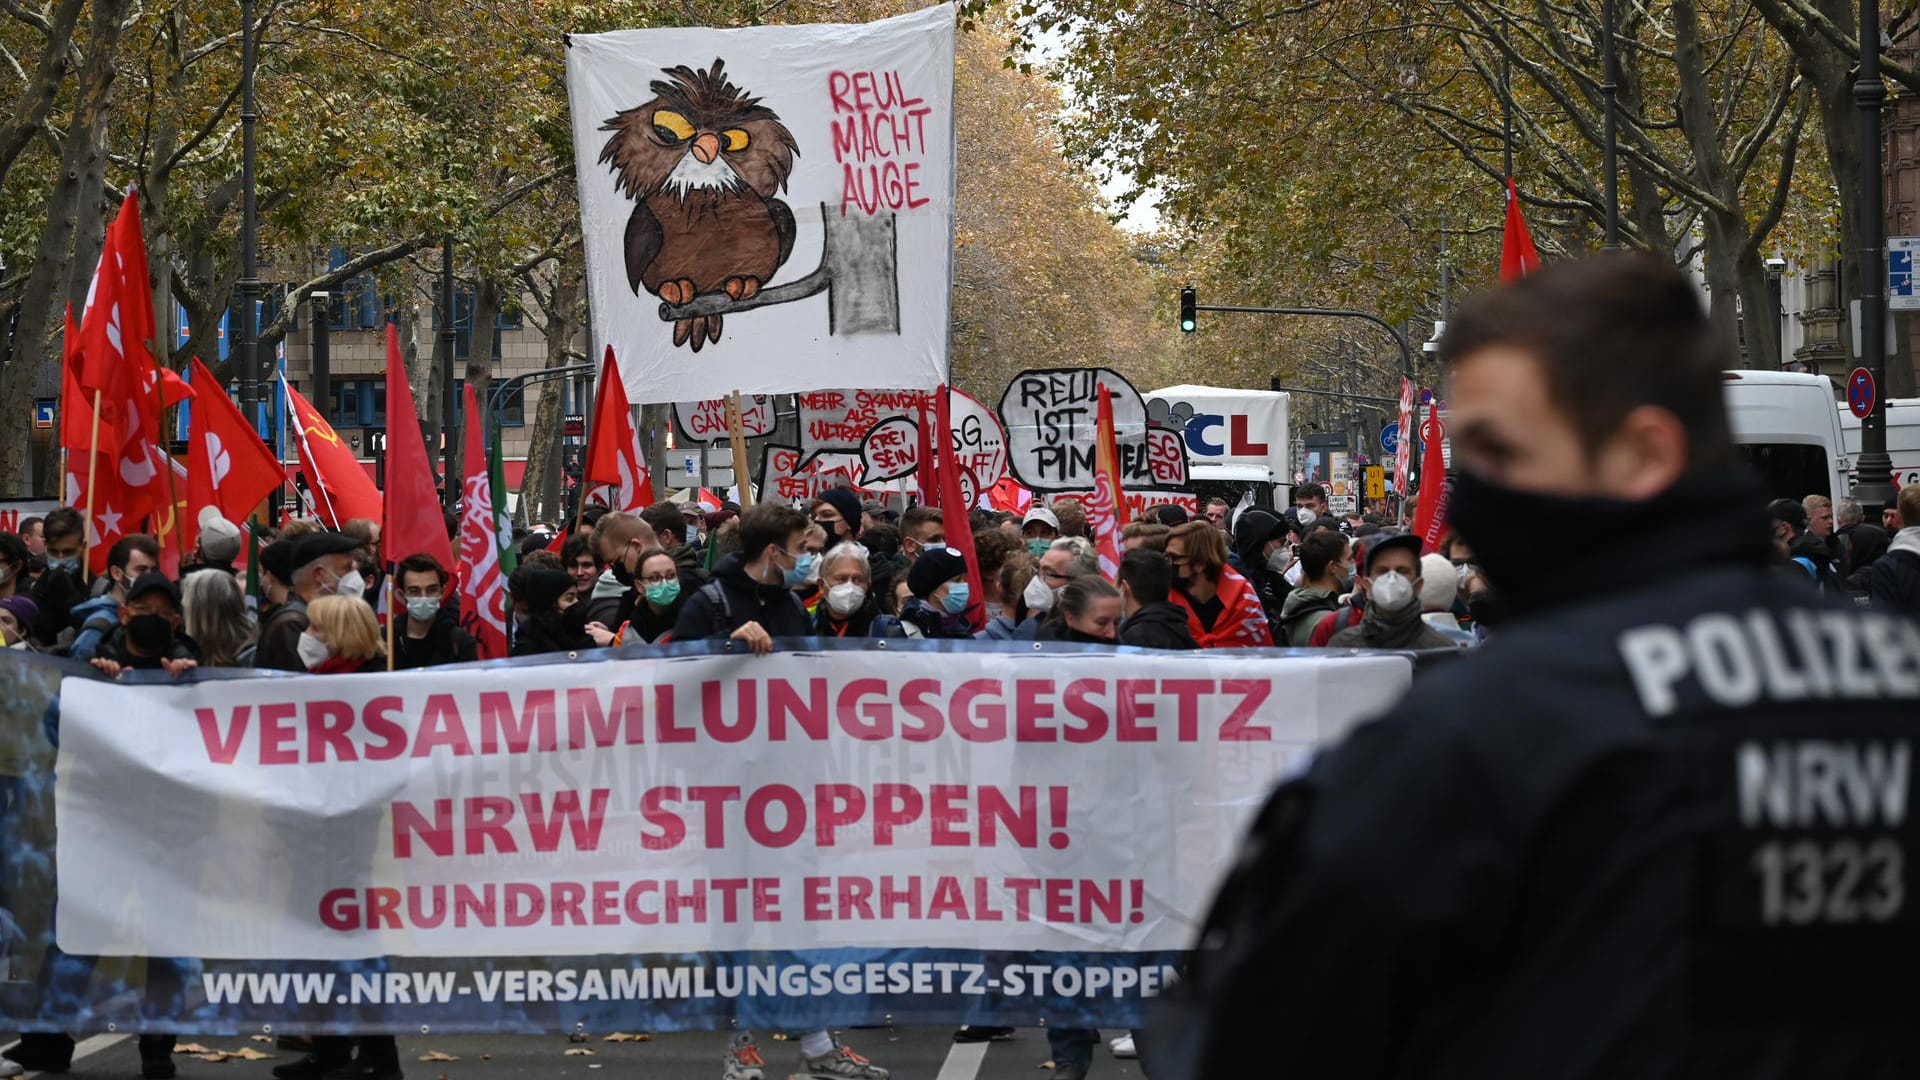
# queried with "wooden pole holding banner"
point(737, 434)
point(93, 465)
point(173, 495)
point(393, 572)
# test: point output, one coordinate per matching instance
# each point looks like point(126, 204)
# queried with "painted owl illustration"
point(703, 162)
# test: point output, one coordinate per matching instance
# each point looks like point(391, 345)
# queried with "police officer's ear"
point(1643, 457)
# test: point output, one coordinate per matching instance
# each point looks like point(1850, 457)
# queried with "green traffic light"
point(1189, 325)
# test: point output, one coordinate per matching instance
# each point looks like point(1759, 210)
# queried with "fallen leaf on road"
point(191, 1048)
point(248, 1053)
point(486, 1057)
point(435, 1055)
point(1046, 1064)
point(579, 1051)
point(262, 1038)
point(216, 1057)
point(779, 1037)
point(627, 1036)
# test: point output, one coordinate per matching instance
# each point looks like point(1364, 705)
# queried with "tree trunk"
point(41, 302)
point(541, 489)
point(29, 113)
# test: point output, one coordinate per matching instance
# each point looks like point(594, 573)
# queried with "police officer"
point(1661, 825)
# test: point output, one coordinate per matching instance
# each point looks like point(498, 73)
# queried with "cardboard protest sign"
point(1049, 421)
point(840, 420)
point(777, 199)
point(706, 421)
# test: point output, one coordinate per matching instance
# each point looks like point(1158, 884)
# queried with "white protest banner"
point(839, 420)
point(790, 474)
point(1049, 419)
point(778, 199)
point(1079, 802)
point(979, 444)
point(706, 421)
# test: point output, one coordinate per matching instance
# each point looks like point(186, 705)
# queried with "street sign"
point(1426, 396)
point(1376, 482)
point(1390, 438)
point(43, 413)
point(1861, 392)
point(1433, 427)
point(1901, 295)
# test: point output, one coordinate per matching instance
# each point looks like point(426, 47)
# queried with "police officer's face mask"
point(1504, 527)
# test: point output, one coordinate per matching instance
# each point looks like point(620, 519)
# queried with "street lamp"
point(1875, 488)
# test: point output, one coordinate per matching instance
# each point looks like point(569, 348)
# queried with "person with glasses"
point(839, 512)
point(1223, 610)
point(751, 597)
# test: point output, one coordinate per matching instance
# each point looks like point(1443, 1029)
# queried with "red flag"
point(1517, 256)
point(228, 467)
point(1007, 495)
point(615, 458)
point(1430, 524)
point(342, 490)
point(167, 518)
point(709, 502)
point(926, 471)
point(959, 531)
point(1103, 509)
point(559, 543)
point(483, 589)
point(414, 523)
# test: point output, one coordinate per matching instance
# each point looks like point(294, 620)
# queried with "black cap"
point(314, 545)
point(1171, 515)
point(277, 559)
point(152, 582)
point(542, 588)
point(1389, 542)
point(934, 568)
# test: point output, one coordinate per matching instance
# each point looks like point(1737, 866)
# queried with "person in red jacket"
point(1223, 610)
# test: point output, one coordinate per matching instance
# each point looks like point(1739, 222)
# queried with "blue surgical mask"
point(663, 593)
point(1037, 548)
point(956, 599)
point(802, 569)
point(69, 565)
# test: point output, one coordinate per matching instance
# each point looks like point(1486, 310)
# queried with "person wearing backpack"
point(751, 597)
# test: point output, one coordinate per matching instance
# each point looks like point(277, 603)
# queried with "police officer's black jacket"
point(1663, 830)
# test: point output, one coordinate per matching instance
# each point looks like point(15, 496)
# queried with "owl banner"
point(770, 209)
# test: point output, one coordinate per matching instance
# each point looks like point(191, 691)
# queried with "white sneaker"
point(1123, 1047)
point(842, 1064)
point(743, 1059)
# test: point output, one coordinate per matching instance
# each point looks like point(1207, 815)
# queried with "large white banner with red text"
point(1082, 803)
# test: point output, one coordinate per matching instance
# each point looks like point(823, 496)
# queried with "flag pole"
point(737, 435)
point(93, 463)
point(392, 570)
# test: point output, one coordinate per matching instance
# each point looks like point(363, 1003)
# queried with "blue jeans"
point(1071, 1046)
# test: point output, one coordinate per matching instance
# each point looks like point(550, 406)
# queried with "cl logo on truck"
point(1239, 442)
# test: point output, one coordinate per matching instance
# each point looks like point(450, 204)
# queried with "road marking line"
point(963, 1061)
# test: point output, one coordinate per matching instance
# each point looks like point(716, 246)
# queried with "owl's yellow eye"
point(671, 126)
point(735, 138)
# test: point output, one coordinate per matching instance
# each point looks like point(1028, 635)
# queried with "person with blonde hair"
point(341, 636)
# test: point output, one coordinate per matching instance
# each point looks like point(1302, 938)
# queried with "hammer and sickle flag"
point(342, 488)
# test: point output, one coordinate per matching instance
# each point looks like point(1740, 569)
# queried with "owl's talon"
point(742, 288)
point(670, 292)
point(681, 329)
point(713, 328)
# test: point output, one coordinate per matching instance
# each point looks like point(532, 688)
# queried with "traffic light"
point(1189, 321)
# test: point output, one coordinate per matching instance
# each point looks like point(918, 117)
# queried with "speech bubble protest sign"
point(839, 420)
point(1049, 418)
point(978, 442)
point(1167, 457)
point(706, 421)
point(791, 473)
point(890, 451)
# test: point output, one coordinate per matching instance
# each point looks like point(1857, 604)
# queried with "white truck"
point(1804, 442)
point(1236, 439)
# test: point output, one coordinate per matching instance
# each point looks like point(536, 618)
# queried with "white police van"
point(1804, 441)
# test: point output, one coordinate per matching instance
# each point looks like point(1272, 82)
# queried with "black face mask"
point(151, 634)
point(1484, 609)
point(1504, 527)
point(620, 572)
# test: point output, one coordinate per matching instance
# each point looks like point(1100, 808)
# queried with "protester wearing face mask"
point(847, 607)
point(431, 636)
point(838, 512)
point(751, 598)
point(1153, 621)
point(813, 543)
point(14, 557)
point(1440, 596)
point(1325, 570)
point(63, 585)
point(1391, 580)
point(937, 607)
point(322, 565)
point(149, 637)
point(1065, 559)
point(1016, 621)
point(542, 597)
point(662, 592)
point(18, 614)
point(921, 528)
point(1039, 528)
point(129, 558)
point(1223, 610)
point(1263, 553)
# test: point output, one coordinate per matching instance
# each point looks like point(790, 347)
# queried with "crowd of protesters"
point(320, 601)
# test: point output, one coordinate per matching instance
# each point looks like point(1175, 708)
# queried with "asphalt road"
point(917, 1053)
